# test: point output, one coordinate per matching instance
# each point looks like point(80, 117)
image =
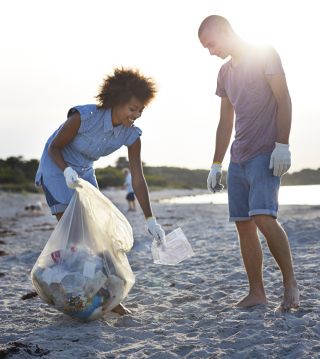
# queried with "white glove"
point(280, 159)
point(214, 178)
point(71, 177)
point(156, 230)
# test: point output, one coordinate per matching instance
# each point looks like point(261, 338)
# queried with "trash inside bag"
point(83, 270)
point(175, 249)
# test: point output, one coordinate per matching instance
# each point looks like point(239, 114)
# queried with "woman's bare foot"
point(251, 300)
point(121, 310)
point(290, 300)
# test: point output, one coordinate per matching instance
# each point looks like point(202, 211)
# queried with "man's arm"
point(280, 91)
point(280, 159)
point(224, 129)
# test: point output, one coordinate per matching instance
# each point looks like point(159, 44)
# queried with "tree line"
point(17, 174)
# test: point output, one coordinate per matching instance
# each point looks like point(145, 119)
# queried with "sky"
point(55, 54)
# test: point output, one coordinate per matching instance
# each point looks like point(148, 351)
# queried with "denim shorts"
point(252, 189)
point(130, 197)
point(54, 205)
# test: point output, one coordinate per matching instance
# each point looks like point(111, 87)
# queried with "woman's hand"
point(156, 230)
point(71, 177)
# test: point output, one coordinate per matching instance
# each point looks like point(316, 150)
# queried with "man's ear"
point(225, 30)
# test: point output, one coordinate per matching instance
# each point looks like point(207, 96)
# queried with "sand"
point(184, 311)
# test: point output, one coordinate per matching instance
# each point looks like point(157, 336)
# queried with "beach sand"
point(185, 311)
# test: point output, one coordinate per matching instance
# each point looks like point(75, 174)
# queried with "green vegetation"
point(303, 177)
point(17, 174)
point(156, 177)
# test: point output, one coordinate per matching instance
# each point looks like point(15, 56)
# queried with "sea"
point(288, 195)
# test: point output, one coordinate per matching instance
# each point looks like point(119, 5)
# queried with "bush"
point(109, 177)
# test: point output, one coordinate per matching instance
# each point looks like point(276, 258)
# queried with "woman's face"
point(126, 114)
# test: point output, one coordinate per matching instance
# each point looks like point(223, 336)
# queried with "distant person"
point(92, 131)
point(130, 197)
point(252, 85)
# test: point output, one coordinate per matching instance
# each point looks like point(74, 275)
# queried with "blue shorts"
point(54, 205)
point(130, 197)
point(252, 189)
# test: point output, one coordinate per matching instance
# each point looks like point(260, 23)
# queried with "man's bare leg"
point(132, 206)
point(252, 258)
point(280, 249)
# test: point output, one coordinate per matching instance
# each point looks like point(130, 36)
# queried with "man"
point(130, 197)
point(252, 85)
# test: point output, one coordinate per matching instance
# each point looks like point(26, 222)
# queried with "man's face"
point(216, 42)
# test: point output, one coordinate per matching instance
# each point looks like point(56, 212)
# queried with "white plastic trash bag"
point(83, 270)
point(174, 250)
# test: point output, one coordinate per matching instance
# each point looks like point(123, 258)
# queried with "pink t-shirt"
point(255, 106)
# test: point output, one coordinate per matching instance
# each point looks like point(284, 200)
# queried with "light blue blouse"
point(96, 137)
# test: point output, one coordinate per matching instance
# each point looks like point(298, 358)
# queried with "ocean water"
point(288, 195)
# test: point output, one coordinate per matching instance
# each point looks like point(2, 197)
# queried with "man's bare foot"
point(121, 310)
point(290, 300)
point(251, 300)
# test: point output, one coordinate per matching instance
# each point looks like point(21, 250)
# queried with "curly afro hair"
point(122, 85)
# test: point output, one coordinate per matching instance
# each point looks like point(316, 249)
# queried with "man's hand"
point(280, 159)
point(214, 179)
point(156, 230)
point(71, 177)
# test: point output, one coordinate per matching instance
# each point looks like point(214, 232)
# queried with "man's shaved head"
point(214, 22)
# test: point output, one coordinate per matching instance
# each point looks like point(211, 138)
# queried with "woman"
point(92, 131)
